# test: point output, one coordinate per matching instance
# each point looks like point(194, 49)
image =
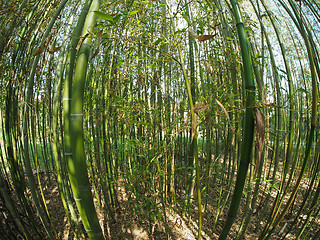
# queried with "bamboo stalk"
point(78, 168)
point(247, 143)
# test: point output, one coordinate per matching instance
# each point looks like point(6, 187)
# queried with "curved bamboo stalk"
point(57, 142)
point(9, 204)
point(247, 143)
point(260, 156)
point(11, 99)
point(78, 168)
point(302, 28)
point(28, 104)
point(67, 93)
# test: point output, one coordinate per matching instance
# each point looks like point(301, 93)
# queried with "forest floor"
point(129, 226)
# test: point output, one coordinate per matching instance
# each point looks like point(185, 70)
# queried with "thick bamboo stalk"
point(78, 168)
point(247, 143)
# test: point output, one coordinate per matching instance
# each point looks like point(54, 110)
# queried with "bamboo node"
point(239, 24)
point(76, 115)
point(66, 99)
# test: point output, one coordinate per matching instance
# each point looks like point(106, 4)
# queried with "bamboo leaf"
point(95, 53)
point(260, 128)
point(104, 16)
point(157, 42)
point(99, 35)
point(206, 37)
point(283, 71)
point(81, 41)
point(260, 135)
point(134, 12)
point(223, 109)
point(54, 50)
point(302, 90)
point(40, 50)
point(194, 124)
point(200, 107)
point(44, 46)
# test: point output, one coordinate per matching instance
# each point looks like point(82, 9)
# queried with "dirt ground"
point(129, 226)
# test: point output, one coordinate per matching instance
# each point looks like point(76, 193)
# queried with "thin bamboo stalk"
point(28, 103)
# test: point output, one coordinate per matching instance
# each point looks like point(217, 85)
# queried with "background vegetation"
point(158, 113)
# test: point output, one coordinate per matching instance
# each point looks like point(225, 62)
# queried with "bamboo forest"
point(159, 119)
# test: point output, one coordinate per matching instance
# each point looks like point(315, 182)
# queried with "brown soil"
point(129, 226)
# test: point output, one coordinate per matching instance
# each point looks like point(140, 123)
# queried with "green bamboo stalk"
point(67, 93)
point(15, 167)
point(295, 16)
point(23, 31)
point(101, 133)
point(233, 66)
point(288, 152)
point(37, 157)
point(11, 113)
point(278, 129)
point(169, 164)
point(300, 119)
point(191, 152)
point(194, 139)
point(5, 195)
point(78, 168)
point(106, 143)
point(247, 143)
point(259, 156)
point(28, 103)
point(57, 146)
point(9, 29)
point(278, 117)
point(194, 142)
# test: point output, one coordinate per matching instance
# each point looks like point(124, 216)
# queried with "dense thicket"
point(160, 111)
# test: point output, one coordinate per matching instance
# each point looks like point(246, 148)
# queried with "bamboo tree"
point(260, 153)
point(246, 147)
point(9, 204)
point(78, 168)
point(291, 106)
point(11, 120)
point(57, 147)
point(28, 100)
point(296, 18)
point(194, 139)
point(191, 152)
point(67, 93)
